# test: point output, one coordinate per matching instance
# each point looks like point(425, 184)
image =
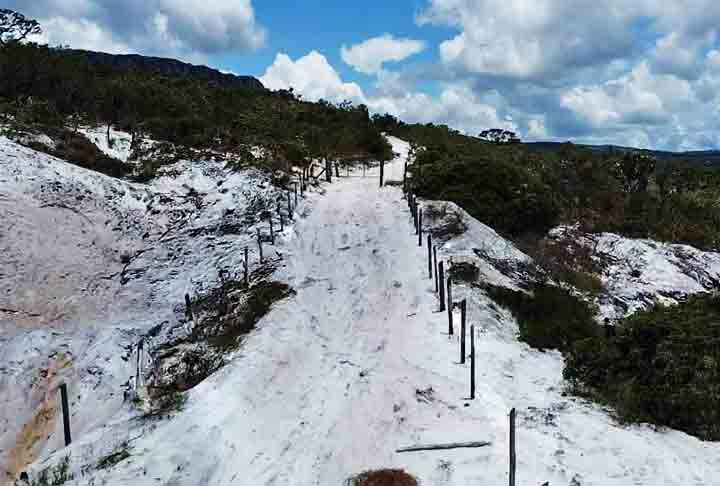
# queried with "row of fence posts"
point(306, 174)
point(302, 187)
point(443, 287)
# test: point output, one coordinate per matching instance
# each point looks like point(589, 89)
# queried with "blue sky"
point(297, 29)
point(633, 72)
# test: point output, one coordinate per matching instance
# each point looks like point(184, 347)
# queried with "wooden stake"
point(420, 227)
point(259, 241)
point(246, 264)
point(138, 364)
point(405, 177)
point(512, 447)
point(429, 246)
point(272, 231)
point(451, 331)
point(442, 287)
point(472, 362)
point(382, 172)
point(463, 312)
point(296, 194)
point(290, 211)
point(415, 215)
point(188, 306)
point(435, 265)
point(65, 413)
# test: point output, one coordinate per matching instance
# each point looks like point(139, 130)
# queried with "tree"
point(499, 136)
point(14, 27)
point(633, 171)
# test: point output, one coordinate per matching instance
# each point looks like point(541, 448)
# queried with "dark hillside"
point(50, 89)
point(168, 67)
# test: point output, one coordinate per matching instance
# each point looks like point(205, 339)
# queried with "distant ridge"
point(169, 67)
point(696, 157)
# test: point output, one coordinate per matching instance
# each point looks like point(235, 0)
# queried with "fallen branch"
point(13, 311)
point(435, 447)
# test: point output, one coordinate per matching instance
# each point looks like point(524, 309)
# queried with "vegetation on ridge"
point(663, 366)
point(519, 191)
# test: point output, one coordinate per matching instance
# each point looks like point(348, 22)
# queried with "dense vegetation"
point(518, 190)
point(663, 367)
point(52, 88)
point(549, 317)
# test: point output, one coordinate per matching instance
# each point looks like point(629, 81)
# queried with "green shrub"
point(115, 457)
point(503, 195)
point(663, 367)
point(550, 317)
point(77, 149)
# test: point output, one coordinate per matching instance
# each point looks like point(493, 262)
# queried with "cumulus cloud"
point(369, 56)
point(182, 28)
point(80, 34)
point(312, 76)
point(641, 97)
point(529, 38)
point(457, 105)
point(620, 71)
point(536, 128)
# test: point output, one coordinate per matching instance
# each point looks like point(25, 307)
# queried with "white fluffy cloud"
point(312, 77)
point(457, 106)
point(182, 28)
point(641, 97)
point(369, 56)
point(530, 38)
point(621, 71)
point(80, 34)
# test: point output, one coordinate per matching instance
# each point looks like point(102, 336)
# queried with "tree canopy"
point(14, 27)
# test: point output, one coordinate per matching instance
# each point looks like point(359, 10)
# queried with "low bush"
point(565, 259)
point(383, 477)
point(549, 317)
point(464, 272)
point(77, 149)
point(662, 367)
point(115, 457)
point(503, 195)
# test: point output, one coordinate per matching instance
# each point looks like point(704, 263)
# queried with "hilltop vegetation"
point(663, 367)
point(519, 191)
point(53, 88)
